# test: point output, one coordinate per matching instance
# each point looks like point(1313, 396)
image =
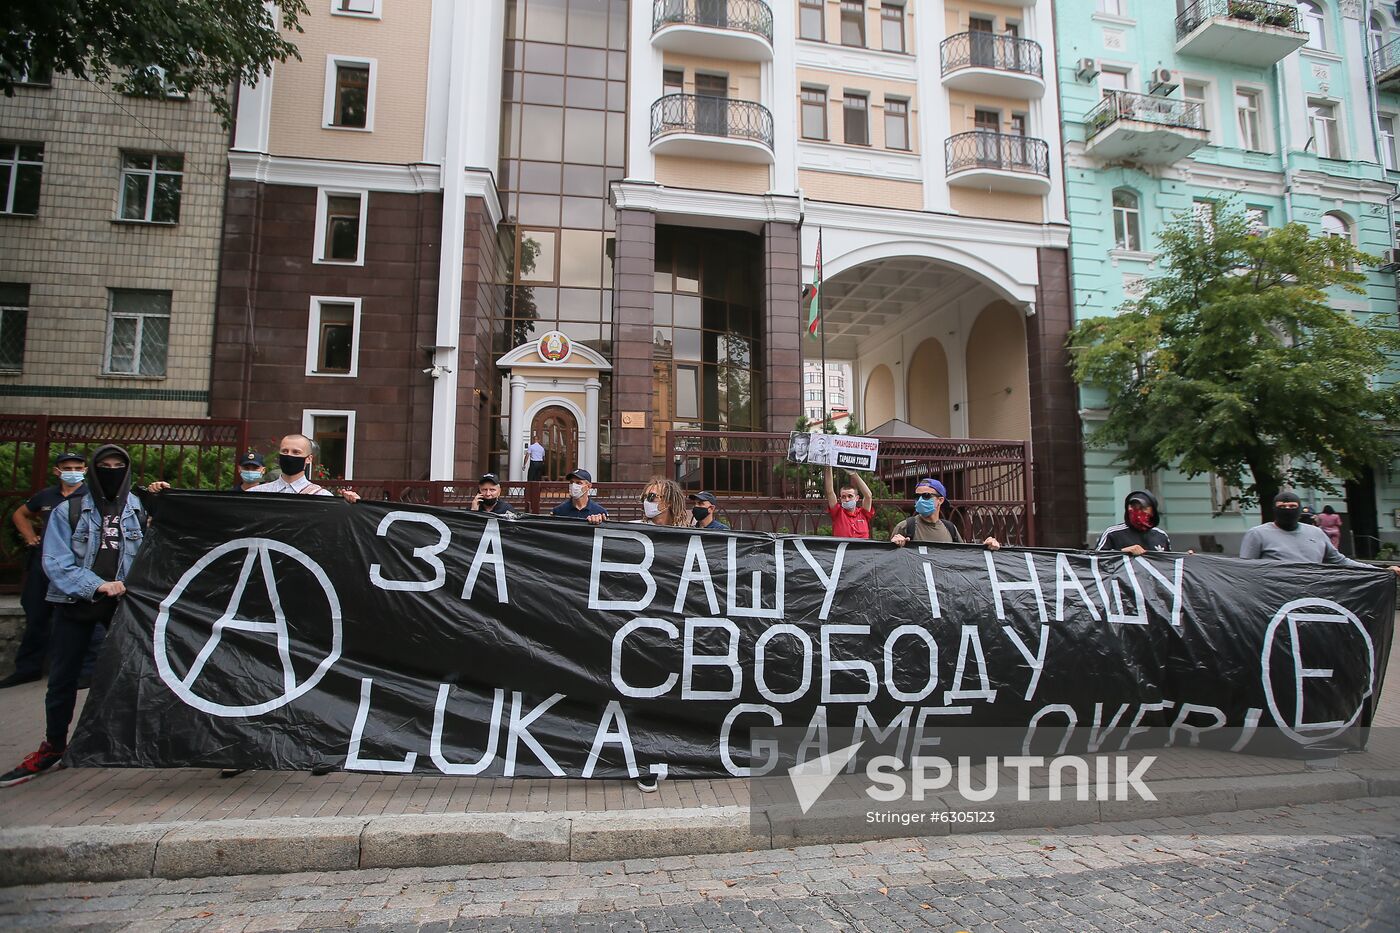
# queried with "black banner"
point(287, 632)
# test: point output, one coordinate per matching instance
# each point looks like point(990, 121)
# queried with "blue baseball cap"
point(933, 484)
point(584, 475)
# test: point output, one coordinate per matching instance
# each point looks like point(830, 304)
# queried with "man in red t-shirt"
point(852, 510)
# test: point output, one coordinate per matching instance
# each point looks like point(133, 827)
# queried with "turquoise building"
point(1288, 110)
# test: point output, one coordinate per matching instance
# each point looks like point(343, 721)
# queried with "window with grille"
point(21, 170)
point(138, 332)
point(14, 321)
point(151, 186)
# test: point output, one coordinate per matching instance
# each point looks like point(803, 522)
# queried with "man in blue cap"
point(251, 471)
point(705, 511)
point(579, 504)
point(925, 526)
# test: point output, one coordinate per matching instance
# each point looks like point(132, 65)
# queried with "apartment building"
point(111, 215)
point(1170, 108)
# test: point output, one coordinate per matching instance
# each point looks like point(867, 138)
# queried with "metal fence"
point(1251, 11)
point(989, 50)
point(1385, 61)
point(1002, 151)
point(711, 116)
point(1145, 108)
point(743, 15)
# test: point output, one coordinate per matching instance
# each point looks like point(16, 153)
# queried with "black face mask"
point(291, 466)
point(700, 514)
point(1287, 519)
point(109, 479)
point(487, 504)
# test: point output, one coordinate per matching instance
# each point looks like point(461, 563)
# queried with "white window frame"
point(376, 13)
point(1260, 100)
point(171, 92)
point(1390, 156)
point(328, 103)
point(1348, 227)
point(1133, 213)
point(308, 424)
point(12, 159)
point(107, 369)
point(1251, 213)
point(1336, 106)
point(313, 336)
point(1323, 44)
point(323, 196)
point(151, 174)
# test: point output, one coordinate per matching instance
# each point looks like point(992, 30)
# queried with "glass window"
point(1127, 230)
point(1247, 110)
point(538, 252)
point(1113, 7)
point(351, 95)
point(852, 22)
point(813, 113)
point(855, 112)
point(1110, 80)
point(1203, 213)
point(138, 332)
point(14, 321)
point(811, 20)
point(335, 338)
point(892, 27)
point(21, 169)
point(1257, 218)
point(1334, 225)
point(581, 258)
point(1376, 32)
point(896, 123)
point(332, 435)
point(342, 234)
point(1387, 125)
point(1195, 92)
point(357, 6)
point(1323, 115)
point(1314, 24)
point(150, 190)
point(672, 81)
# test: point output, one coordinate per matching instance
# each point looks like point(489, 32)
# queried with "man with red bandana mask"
point(1138, 533)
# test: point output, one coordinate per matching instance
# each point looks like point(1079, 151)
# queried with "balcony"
point(1247, 32)
point(1385, 63)
point(1004, 66)
point(1147, 130)
point(738, 30)
point(700, 127)
point(998, 162)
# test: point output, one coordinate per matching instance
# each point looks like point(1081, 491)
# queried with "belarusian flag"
point(812, 295)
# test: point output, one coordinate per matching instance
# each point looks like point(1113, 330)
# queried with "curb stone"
point(40, 855)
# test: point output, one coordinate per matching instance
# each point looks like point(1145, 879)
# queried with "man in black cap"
point(71, 469)
point(488, 497)
point(580, 505)
point(251, 471)
point(1285, 538)
point(705, 510)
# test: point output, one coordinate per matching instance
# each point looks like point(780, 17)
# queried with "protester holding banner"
point(296, 454)
point(926, 526)
point(1285, 538)
point(1138, 533)
point(663, 503)
point(89, 546)
point(252, 471)
point(488, 497)
point(852, 511)
point(705, 511)
point(580, 505)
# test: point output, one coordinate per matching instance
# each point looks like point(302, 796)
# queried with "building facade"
point(1171, 108)
point(111, 216)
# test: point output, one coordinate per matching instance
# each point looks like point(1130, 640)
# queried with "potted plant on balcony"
point(1282, 17)
point(1242, 9)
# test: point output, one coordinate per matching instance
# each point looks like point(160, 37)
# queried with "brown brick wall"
point(1055, 430)
point(782, 324)
point(482, 300)
point(634, 271)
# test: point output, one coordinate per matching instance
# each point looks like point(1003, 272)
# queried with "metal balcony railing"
point(751, 16)
point(1250, 11)
point(987, 50)
point(1001, 151)
point(1125, 105)
point(1386, 58)
point(711, 116)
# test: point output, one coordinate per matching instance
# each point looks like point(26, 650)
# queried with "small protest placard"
point(834, 450)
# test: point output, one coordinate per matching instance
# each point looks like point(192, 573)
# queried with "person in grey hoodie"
point(89, 547)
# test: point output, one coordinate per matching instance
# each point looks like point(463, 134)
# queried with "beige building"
point(110, 227)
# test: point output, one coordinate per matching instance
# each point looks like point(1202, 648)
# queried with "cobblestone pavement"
point(1322, 866)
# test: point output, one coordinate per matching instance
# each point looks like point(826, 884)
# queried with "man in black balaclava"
point(1138, 533)
point(89, 545)
point(1286, 538)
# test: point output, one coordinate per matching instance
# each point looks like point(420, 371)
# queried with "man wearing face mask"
point(1285, 538)
point(851, 511)
point(88, 551)
point(1138, 532)
point(71, 469)
point(706, 511)
point(926, 525)
point(580, 505)
point(251, 472)
point(293, 460)
point(488, 497)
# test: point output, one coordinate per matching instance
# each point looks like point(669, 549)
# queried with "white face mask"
point(576, 490)
point(651, 509)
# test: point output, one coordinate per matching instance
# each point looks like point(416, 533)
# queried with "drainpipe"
point(1281, 131)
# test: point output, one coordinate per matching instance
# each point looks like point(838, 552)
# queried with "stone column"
point(782, 325)
point(1056, 433)
point(634, 276)
point(518, 427)
point(591, 389)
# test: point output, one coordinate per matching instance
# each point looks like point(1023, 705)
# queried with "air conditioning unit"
point(1088, 69)
point(1392, 261)
point(1163, 81)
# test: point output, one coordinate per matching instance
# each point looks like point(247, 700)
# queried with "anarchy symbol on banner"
point(258, 554)
point(1311, 611)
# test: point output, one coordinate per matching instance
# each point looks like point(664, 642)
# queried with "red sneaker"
point(47, 758)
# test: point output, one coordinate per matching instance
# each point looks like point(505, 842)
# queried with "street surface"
point(1333, 866)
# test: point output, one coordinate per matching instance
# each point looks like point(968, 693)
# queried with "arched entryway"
point(557, 429)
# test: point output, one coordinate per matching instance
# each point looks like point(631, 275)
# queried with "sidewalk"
point(113, 823)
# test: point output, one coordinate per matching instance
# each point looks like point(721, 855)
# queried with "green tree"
point(1234, 362)
point(204, 45)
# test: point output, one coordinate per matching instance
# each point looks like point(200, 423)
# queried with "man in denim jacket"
point(86, 562)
